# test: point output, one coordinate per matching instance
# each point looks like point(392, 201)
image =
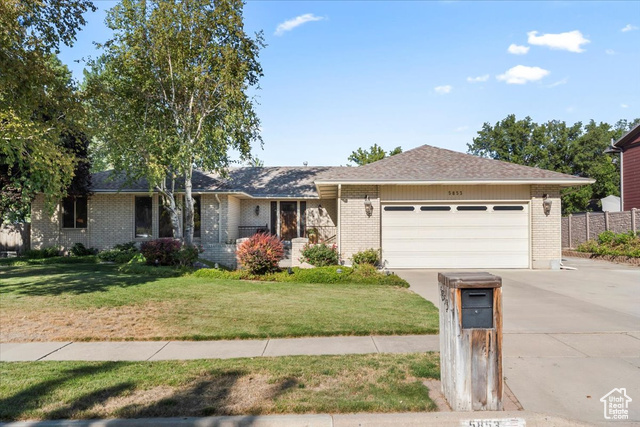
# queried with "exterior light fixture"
point(368, 206)
point(546, 204)
point(257, 210)
point(319, 208)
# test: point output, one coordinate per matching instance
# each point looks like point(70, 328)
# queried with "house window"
point(165, 228)
point(144, 217)
point(303, 219)
point(74, 212)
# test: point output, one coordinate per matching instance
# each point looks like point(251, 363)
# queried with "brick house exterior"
point(350, 205)
point(629, 148)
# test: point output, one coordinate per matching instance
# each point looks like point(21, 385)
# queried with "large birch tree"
point(170, 94)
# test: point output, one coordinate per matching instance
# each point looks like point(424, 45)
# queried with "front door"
point(288, 224)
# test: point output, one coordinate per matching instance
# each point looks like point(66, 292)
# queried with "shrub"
point(610, 243)
point(187, 255)
point(161, 251)
point(120, 254)
point(126, 247)
point(50, 252)
point(261, 253)
point(369, 256)
point(606, 237)
point(78, 249)
point(320, 255)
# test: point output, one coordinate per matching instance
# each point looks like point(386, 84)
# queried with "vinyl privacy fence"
point(578, 228)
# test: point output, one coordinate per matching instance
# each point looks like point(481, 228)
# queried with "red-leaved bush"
point(161, 251)
point(261, 253)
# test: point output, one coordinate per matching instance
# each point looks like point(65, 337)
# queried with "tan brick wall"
point(209, 211)
point(546, 231)
point(357, 230)
point(233, 217)
point(248, 215)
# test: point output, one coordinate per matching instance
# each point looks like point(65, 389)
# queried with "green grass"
point(299, 384)
point(99, 302)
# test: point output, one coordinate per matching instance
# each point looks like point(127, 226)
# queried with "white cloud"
point(624, 106)
point(559, 82)
point(518, 50)
point(478, 79)
point(441, 90)
point(461, 129)
point(296, 22)
point(629, 27)
point(571, 41)
point(610, 52)
point(521, 74)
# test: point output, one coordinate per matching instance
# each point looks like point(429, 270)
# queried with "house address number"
point(455, 193)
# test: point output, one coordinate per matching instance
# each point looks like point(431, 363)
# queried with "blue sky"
point(342, 75)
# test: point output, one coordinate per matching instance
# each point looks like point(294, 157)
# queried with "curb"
point(418, 419)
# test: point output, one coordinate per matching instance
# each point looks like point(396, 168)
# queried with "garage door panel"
point(456, 239)
point(413, 233)
point(460, 245)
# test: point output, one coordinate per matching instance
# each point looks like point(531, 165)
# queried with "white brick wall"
point(546, 239)
point(357, 230)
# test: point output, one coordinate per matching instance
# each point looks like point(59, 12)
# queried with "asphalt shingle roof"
point(427, 163)
point(267, 182)
point(422, 164)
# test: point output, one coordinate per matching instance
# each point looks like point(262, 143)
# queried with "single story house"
point(424, 208)
point(629, 148)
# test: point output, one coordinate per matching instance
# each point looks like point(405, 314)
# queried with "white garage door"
point(471, 235)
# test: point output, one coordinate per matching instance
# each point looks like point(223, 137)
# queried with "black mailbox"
point(477, 308)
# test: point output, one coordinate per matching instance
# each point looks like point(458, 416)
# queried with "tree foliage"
point(572, 149)
point(39, 108)
point(169, 93)
point(362, 157)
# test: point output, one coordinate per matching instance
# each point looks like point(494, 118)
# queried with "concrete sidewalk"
point(419, 419)
point(185, 350)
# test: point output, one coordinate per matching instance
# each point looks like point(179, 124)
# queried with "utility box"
point(471, 340)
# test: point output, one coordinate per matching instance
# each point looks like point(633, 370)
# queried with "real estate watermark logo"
point(616, 404)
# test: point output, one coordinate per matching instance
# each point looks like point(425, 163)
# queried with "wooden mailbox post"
point(471, 340)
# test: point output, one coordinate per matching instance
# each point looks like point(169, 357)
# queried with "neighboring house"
point(424, 208)
point(629, 149)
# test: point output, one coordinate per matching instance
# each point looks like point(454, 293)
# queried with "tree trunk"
point(169, 203)
point(188, 208)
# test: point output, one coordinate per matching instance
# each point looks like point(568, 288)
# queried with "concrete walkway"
point(185, 350)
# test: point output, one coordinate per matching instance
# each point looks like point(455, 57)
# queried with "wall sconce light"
point(319, 208)
point(368, 206)
point(546, 204)
point(257, 210)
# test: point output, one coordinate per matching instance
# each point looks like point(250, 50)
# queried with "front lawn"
point(301, 384)
point(57, 302)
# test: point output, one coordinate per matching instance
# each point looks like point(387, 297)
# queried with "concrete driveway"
point(570, 337)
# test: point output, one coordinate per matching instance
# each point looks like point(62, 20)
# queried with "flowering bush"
point(161, 251)
point(320, 255)
point(261, 253)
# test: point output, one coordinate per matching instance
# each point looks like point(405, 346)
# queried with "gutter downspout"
point(339, 219)
point(621, 183)
point(219, 219)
